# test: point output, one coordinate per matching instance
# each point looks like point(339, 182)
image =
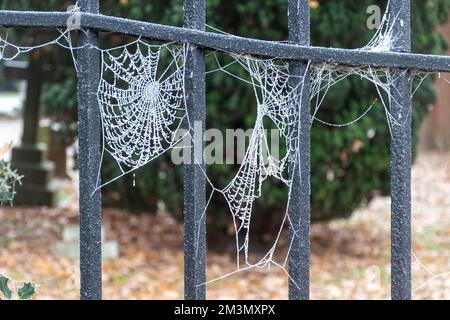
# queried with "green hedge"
point(343, 176)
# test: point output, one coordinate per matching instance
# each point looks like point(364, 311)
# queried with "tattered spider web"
point(274, 98)
point(270, 82)
point(141, 99)
point(246, 185)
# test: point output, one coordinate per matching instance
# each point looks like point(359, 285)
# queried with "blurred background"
point(142, 214)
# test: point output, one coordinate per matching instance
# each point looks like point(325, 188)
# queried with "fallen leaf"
point(5, 148)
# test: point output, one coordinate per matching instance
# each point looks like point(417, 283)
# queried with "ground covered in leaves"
point(350, 258)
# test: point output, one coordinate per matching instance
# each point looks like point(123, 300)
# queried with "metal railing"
point(297, 52)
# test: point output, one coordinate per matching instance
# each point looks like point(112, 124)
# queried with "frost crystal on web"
point(274, 96)
point(141, 102)
point(383, 39)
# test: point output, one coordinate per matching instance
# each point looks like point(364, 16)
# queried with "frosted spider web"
point(382, 41)
point(10, 51)
point(246, 185)
point(276, 102)
point(274, 97)
point(141, 101)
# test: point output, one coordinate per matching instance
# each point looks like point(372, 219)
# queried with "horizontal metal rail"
point(230, 43)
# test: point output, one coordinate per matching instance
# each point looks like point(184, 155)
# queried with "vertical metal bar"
point(299, 201)
point(194, 180)
point(89, 128)
point(401, 158)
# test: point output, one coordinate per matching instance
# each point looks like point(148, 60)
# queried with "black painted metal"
point(299, 201)
point(297, 52)
point(194, 179)
point(89, 158)
point(229, 43)
point(401, 161)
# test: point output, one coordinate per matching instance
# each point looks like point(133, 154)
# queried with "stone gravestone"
point(38, 188)
point(69, 248)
